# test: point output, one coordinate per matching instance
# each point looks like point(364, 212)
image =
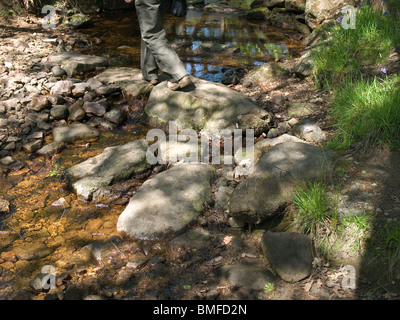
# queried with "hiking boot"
point(184, 82)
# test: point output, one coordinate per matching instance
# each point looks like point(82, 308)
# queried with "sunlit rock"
point(167, 203)
point(269, 188)
point(205, 105)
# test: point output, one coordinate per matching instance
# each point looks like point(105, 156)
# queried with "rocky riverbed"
point(78, 194)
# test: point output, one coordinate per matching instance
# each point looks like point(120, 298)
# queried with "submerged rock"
point(112, 165)
point(32, 251)
point(74, 132)
point(167, 203)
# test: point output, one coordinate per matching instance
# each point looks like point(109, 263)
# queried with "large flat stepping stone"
point(75, 63)
point(289, 253)
point(112, 165)
point(167, 203)
point(205, 105)
point(130, 80)
point(269, 189)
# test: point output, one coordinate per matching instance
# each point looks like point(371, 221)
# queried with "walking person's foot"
point(184, 82)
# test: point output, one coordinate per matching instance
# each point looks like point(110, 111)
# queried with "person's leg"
point(147, 63)
point(153, 35)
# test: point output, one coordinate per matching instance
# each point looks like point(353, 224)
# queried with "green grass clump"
point(316, 212)
point(341, 57)
point(367, 108)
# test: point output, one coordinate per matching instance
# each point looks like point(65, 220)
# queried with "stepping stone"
point(289, 253)
point(112, 165)
point(75, 63)
point(178, 196)
point(205, 106)
point(269, 189)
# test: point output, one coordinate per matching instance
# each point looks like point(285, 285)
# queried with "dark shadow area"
point(380, 266)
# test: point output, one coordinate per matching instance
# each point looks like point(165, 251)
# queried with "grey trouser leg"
point(156, 53)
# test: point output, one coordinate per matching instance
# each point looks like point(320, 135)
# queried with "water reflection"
point(207, 42)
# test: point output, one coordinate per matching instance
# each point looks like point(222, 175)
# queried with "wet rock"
point(112, 165)
point(74, 132)
point(206, 105)
point(116, 116)
point(59, 112)
point(269, 188)
point(75, 63)
point(62, 88)
point(94, 251)
point(309, 131)
point(179, 197)
point(32, 251)
point(124, 276)
point(4, 206)
point(137, 262)
point(247, 277)
point(51, 149)
point(114, 193)
point(289, 253)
